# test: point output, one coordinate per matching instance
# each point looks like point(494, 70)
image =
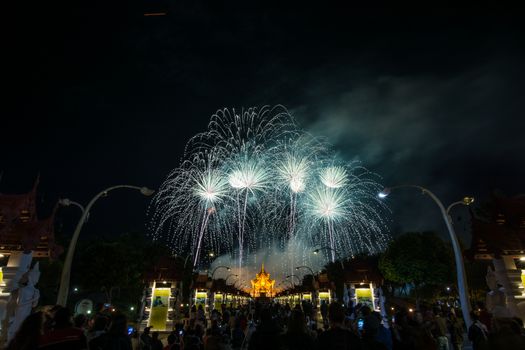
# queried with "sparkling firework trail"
point(210, 188)
point(255, 178)
point(247, 177)
point(334, 177)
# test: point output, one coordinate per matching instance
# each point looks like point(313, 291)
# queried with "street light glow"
point(146, 191)
point(458, 257)
point(63, 289)
point(468, 200)
point(384, 193)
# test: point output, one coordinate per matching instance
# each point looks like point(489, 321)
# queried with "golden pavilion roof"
point(262, 285)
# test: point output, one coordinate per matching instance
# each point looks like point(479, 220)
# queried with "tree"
point(49, 280)
point(420, 259)
point(115, 267)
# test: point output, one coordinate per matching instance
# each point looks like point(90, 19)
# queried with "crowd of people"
point(276, 327)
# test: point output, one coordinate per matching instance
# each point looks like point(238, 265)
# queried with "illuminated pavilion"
point(262, 285)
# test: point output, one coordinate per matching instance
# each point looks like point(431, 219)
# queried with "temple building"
point(498, 237)
point(362, 283)
point(23, 233)
point(162, 294)
point(262, 285)
point(23, 236)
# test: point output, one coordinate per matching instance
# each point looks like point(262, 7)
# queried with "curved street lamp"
point(230, 275)
point(186, 260)
point(305, 267)
point(291, 279)
point(283, 282)
point(220, 267)
point(63, 290)
point(334, 251)
point(460, 266)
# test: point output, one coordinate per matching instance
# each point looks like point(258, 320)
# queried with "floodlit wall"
point(159, 308)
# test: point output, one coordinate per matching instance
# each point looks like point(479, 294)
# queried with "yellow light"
point(2, 255)
point(468, 200)
point(410, 310)
point(522, 258)
point(164, 282)
point(391, 308)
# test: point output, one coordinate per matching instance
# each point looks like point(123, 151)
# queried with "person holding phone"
point(360, 324)
point(371, 329)
point(337, 336)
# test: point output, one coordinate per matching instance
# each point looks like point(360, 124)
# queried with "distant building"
point(22, 230)
point(162, 294)
point(262, 285)
point(23, 236)
point(362, 281)
point(498, 236)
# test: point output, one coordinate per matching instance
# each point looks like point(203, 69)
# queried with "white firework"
point(328, 204)
point(293, 170)
point(334, 177)
point(211, 187)
point(249, 176)
point(255, 178)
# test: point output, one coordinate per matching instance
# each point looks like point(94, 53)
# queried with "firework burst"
point(255, 178)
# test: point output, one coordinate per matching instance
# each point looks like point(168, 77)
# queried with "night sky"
point(97, 95)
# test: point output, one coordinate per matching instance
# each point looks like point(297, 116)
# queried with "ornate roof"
point(262, 284)
point(166, 268)
point(362, 269)
point(16, 208)
point(20, 228)
point(498, 228)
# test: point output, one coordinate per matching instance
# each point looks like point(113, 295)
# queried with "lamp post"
point(66, 202)
point(63, 290)
point(220, 267)
point(305, 267)
point(283, 282)
point(316, 251)
point(291, 279)
point(180, 295)
point(186, 261)
point(460, 266)
point(311, 271)
point(230, 275)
